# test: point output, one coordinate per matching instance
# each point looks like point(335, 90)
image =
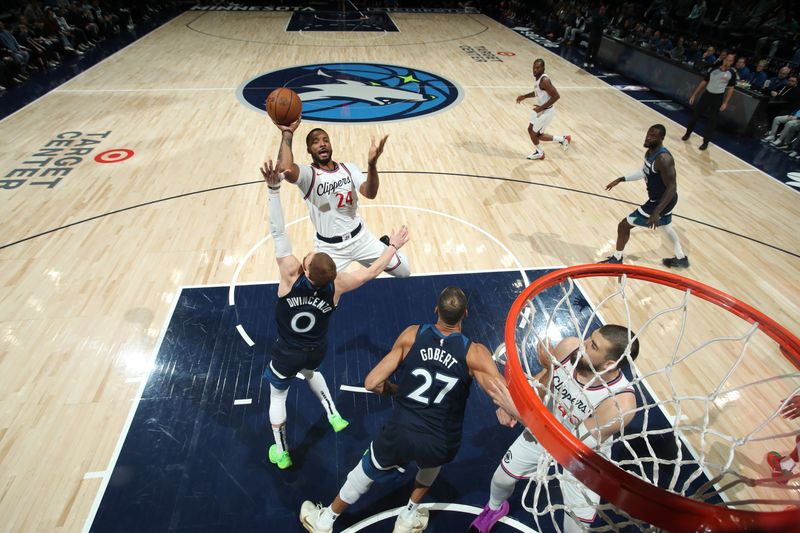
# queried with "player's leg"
point(519, 461)
point(366, 249)
point(279, 376)
point(534, 135)
point(782, 466)
point(624, 228)
point(680, 260)
point(318, 385)
point(563, 140)
point(581, 504)
point(539, 122)
point(411, 517)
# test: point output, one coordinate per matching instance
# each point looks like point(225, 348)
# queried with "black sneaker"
point(611, 260)
point(686, 136)
point(704, 146)
point(384, 239)
point(674, 262)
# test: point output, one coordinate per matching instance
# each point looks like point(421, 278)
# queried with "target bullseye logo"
point(114, 156)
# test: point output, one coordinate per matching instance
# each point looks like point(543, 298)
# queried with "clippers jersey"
point(303, 314)
point(541, 95)
point(655, 185)
point(433, 390)
point(332, 197)
point(574, 401)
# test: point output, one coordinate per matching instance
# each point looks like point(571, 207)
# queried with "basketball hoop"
point(674, 508)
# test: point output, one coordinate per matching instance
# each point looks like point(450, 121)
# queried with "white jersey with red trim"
point(332, 197)
point(540, 94)
point(575, 401)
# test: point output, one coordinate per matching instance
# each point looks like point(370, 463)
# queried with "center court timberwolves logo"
point(356, 92)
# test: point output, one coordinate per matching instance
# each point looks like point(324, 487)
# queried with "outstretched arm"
point(285, 156)
point(288, 264)
point(378, 378)
point(349, 281)
point(484, 370)
point(369, 189)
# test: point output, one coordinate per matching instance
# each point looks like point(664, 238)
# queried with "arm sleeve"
point(283, 247)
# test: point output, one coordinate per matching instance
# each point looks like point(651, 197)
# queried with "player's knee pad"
point(379, 473)
point(357, 484)
point(426, 476)
point(277, 405)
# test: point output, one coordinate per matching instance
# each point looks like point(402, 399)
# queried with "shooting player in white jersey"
point(331, 191)
point(592, 397)
point(543, 112)
point(308, 294)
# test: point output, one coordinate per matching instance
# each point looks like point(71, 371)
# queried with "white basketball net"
point(724, 413)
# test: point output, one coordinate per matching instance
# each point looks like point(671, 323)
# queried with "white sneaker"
point(792, 154)
point(536, 155)
point(768, 138)
point(310, 514)
point(566, 141)
point(420, 522)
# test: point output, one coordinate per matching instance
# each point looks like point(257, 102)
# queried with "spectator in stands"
point(759, 76)
point(786, 121)
point(596, 25)
point(776, 84)
point(575, 28)
point(19, 54)
point(784, 100)
point(742, 72)
point(678, 51)
point(714, 92)
point(708, 58)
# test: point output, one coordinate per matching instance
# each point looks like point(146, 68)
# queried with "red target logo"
point(114, 156)
point(506, 54)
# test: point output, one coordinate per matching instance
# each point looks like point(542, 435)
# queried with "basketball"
point(284, 106)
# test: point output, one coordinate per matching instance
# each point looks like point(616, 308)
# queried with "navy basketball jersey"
point(303, 314)
point(655, 184)
point(434, 384)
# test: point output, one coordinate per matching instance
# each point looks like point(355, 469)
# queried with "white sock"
point(280, 437)
point(558, 138)
point(618, 254)
point(536, 149)
point(676, 243)
point(320, 389)
point(501, 488)
point(408, 511)
point(327, 518)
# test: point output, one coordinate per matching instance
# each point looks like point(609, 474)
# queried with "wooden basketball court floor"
point(91, 265)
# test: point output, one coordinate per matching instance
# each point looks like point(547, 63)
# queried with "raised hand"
point(791, 410)
point(271, 174)
point(398, 238)
point(375, 150)
point(291, 127)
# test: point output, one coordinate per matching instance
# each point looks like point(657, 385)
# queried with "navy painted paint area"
point(193, 461)
point(341, 21)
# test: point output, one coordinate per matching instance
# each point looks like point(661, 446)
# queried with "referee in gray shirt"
point(718, 85)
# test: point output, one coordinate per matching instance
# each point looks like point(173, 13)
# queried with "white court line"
point(351, 388)
point(160, 90)
point(243, 401)
point(126, 428)
point(94, 475)
point(739, 170)
point(456, 507)
point(244, 335)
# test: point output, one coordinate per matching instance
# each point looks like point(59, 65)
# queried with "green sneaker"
point(338, 423)
point(281, 459)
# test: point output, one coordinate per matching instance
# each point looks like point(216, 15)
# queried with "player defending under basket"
point(592, 397)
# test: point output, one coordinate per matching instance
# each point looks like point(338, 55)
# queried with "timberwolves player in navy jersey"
point(308, 294)
point(435, 365)
point(662, 195)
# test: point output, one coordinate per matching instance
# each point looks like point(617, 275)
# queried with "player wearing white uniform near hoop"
point(543, 112)
point(592, 397)
point(331, 191)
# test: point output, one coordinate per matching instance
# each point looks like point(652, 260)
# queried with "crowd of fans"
point(36, 35)
point(764, 36)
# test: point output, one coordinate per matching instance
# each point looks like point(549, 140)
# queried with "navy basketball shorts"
point(397, 445)
point(642, 214)
point(286, 361)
